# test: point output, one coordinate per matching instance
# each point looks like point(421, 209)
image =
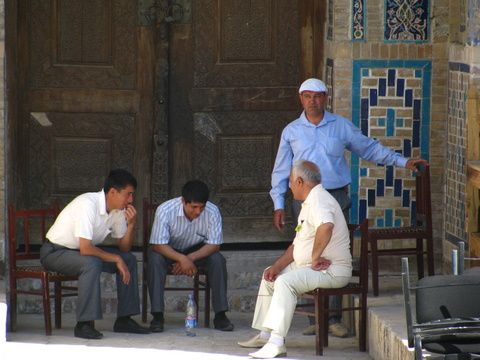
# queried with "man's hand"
point(412, 164)
point(123, 270)
point(184, 267)
point(130, 215)
point(270, 274)
point(320, 264)
point(279, 219)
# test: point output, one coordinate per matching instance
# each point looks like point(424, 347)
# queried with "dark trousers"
point(216, 269)
point(341, 195)
point(88, 269)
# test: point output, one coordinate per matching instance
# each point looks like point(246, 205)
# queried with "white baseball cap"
point(313, 84)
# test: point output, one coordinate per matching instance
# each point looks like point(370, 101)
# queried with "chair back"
point(148, 217)
point(362, 269)
point(423, 211)
point(33, 224)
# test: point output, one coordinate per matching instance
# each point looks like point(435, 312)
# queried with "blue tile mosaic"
point(358, 20)
point(330, 20)
point(388, 92)
point(380, 222)
point(406, 21)
point(398, 222)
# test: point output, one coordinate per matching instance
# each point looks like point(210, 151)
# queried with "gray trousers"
point(216, 269)
point(341, 195)
point(88, 269)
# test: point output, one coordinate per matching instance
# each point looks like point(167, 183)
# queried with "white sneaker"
point(254, 342)
point(269, 351)
point(338, 330)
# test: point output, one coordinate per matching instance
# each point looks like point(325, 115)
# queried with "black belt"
point(343, 188)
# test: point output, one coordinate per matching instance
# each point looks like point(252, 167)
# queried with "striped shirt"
point(172, 227)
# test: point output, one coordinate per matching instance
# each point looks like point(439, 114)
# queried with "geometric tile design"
point(455, 176)
point(358, 20)
point(391, 103)
point(329, 83)
point(473, 21)
point(406, 20)
point(330, 20)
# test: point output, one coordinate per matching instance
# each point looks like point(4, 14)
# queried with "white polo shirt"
point(86, 217)
point(319, 208)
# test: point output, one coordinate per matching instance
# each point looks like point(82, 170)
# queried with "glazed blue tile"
point(418, 73)
point(380, 187)
point(416, 134)
point(417, 107)
point(398, 222)
point(400, 87)
point(382, 87)
point(365, 72)
point(399, 123)
point(397, 188)
point(381, 122)
point(388, 217)
point(371, 197)
point(391, 77)
point(364, 109)
point(406, 198)
point(373, 97)
point(362, 210)
point(402, 26)
point(380, 223)
point(363, 172)
point(389, 175)
point(364, 127)
point(407, 147)
point(413, 214)
point(408, 98)
point(390, 122)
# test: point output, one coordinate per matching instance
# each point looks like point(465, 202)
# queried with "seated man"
point(319, 257)
point(72, 249)
point(186, 234)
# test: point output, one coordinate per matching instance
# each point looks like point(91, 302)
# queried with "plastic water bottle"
point(191, 316)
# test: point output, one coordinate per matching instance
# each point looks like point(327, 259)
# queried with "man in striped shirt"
point(186, 234)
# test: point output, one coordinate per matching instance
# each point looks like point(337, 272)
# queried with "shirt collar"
point(327, 117)
point(180, 207)
point(311, 195)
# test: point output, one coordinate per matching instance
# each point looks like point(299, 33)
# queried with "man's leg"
point(157, 275)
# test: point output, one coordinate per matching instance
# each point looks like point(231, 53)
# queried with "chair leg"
point(430, 257)
point(207, 302)
point(374, 253)
point(319, 323)
point(420, 267)
point(13, 305)
point(144, 295)
point(58, 304)
point(196, 286)
point(362, 325)
point(46, 304)
point(326, 319)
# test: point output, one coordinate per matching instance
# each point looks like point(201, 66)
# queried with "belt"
point(343, 188)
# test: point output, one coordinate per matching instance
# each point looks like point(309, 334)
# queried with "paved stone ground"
point(29, 339)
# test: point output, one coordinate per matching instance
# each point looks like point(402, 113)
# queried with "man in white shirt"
point(73, 249)
point(318, 257)
point(186, 234)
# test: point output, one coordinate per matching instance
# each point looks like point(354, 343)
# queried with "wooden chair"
point(23, 266)
point(446, 321)
point(198, 285)
point(320, 296)
point(421, 228)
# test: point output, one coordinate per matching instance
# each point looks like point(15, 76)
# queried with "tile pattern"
point(390, 102)
point(330, 20)
point(473, 21)
point(406, 20)
point(455, 178)
point(329, 83)
point(358, 20)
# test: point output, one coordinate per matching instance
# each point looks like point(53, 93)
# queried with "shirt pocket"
point(334, 146)
point(300, 145)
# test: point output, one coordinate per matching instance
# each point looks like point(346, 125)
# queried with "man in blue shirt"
point(187, 233)
point(322, 137)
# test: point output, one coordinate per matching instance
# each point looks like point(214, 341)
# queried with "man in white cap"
point(322, 137)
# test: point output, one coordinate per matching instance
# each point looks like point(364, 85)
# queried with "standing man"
point(322, 137)
point(186, 234)
point(72, 249)
point(318, 257)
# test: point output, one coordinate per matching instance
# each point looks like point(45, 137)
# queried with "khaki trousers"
point(276, 301)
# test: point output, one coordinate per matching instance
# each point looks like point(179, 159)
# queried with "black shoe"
point(85, 330)
point(128, 325)
point(156, 325)
point(222, 323)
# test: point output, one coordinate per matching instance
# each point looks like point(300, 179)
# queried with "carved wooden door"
point(235, 69)
point(85, 95)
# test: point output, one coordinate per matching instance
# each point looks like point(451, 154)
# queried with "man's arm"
point(126, 242)
point(185, 264)
point(271, 273)
point(88, 249)
point(322, 238)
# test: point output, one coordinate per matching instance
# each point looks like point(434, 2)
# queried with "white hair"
point(307, 170)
